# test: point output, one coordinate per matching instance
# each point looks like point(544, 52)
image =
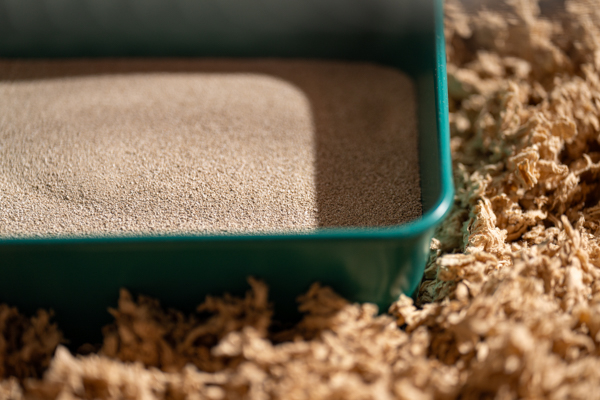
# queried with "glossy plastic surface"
point(80, 278)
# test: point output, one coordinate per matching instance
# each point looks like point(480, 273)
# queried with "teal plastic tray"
point(80, 278)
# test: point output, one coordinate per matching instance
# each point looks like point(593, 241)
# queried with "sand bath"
point(203, 146)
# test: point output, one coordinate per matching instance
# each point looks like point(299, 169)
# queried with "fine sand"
point(195, 146)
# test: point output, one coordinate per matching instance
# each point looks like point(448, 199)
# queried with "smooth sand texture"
point(192, 146)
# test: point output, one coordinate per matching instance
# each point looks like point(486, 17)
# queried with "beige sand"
point(172, 146)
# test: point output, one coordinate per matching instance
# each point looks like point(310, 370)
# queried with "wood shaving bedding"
point(26, 344)
point(510, 303)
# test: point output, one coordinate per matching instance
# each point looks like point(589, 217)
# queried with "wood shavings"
point(169, 340)
point(509, 307)
point(510, 321)
point(350, 352)
point(10, 389)
point(26, 344)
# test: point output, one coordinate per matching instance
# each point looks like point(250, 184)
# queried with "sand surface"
point(176, 146)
